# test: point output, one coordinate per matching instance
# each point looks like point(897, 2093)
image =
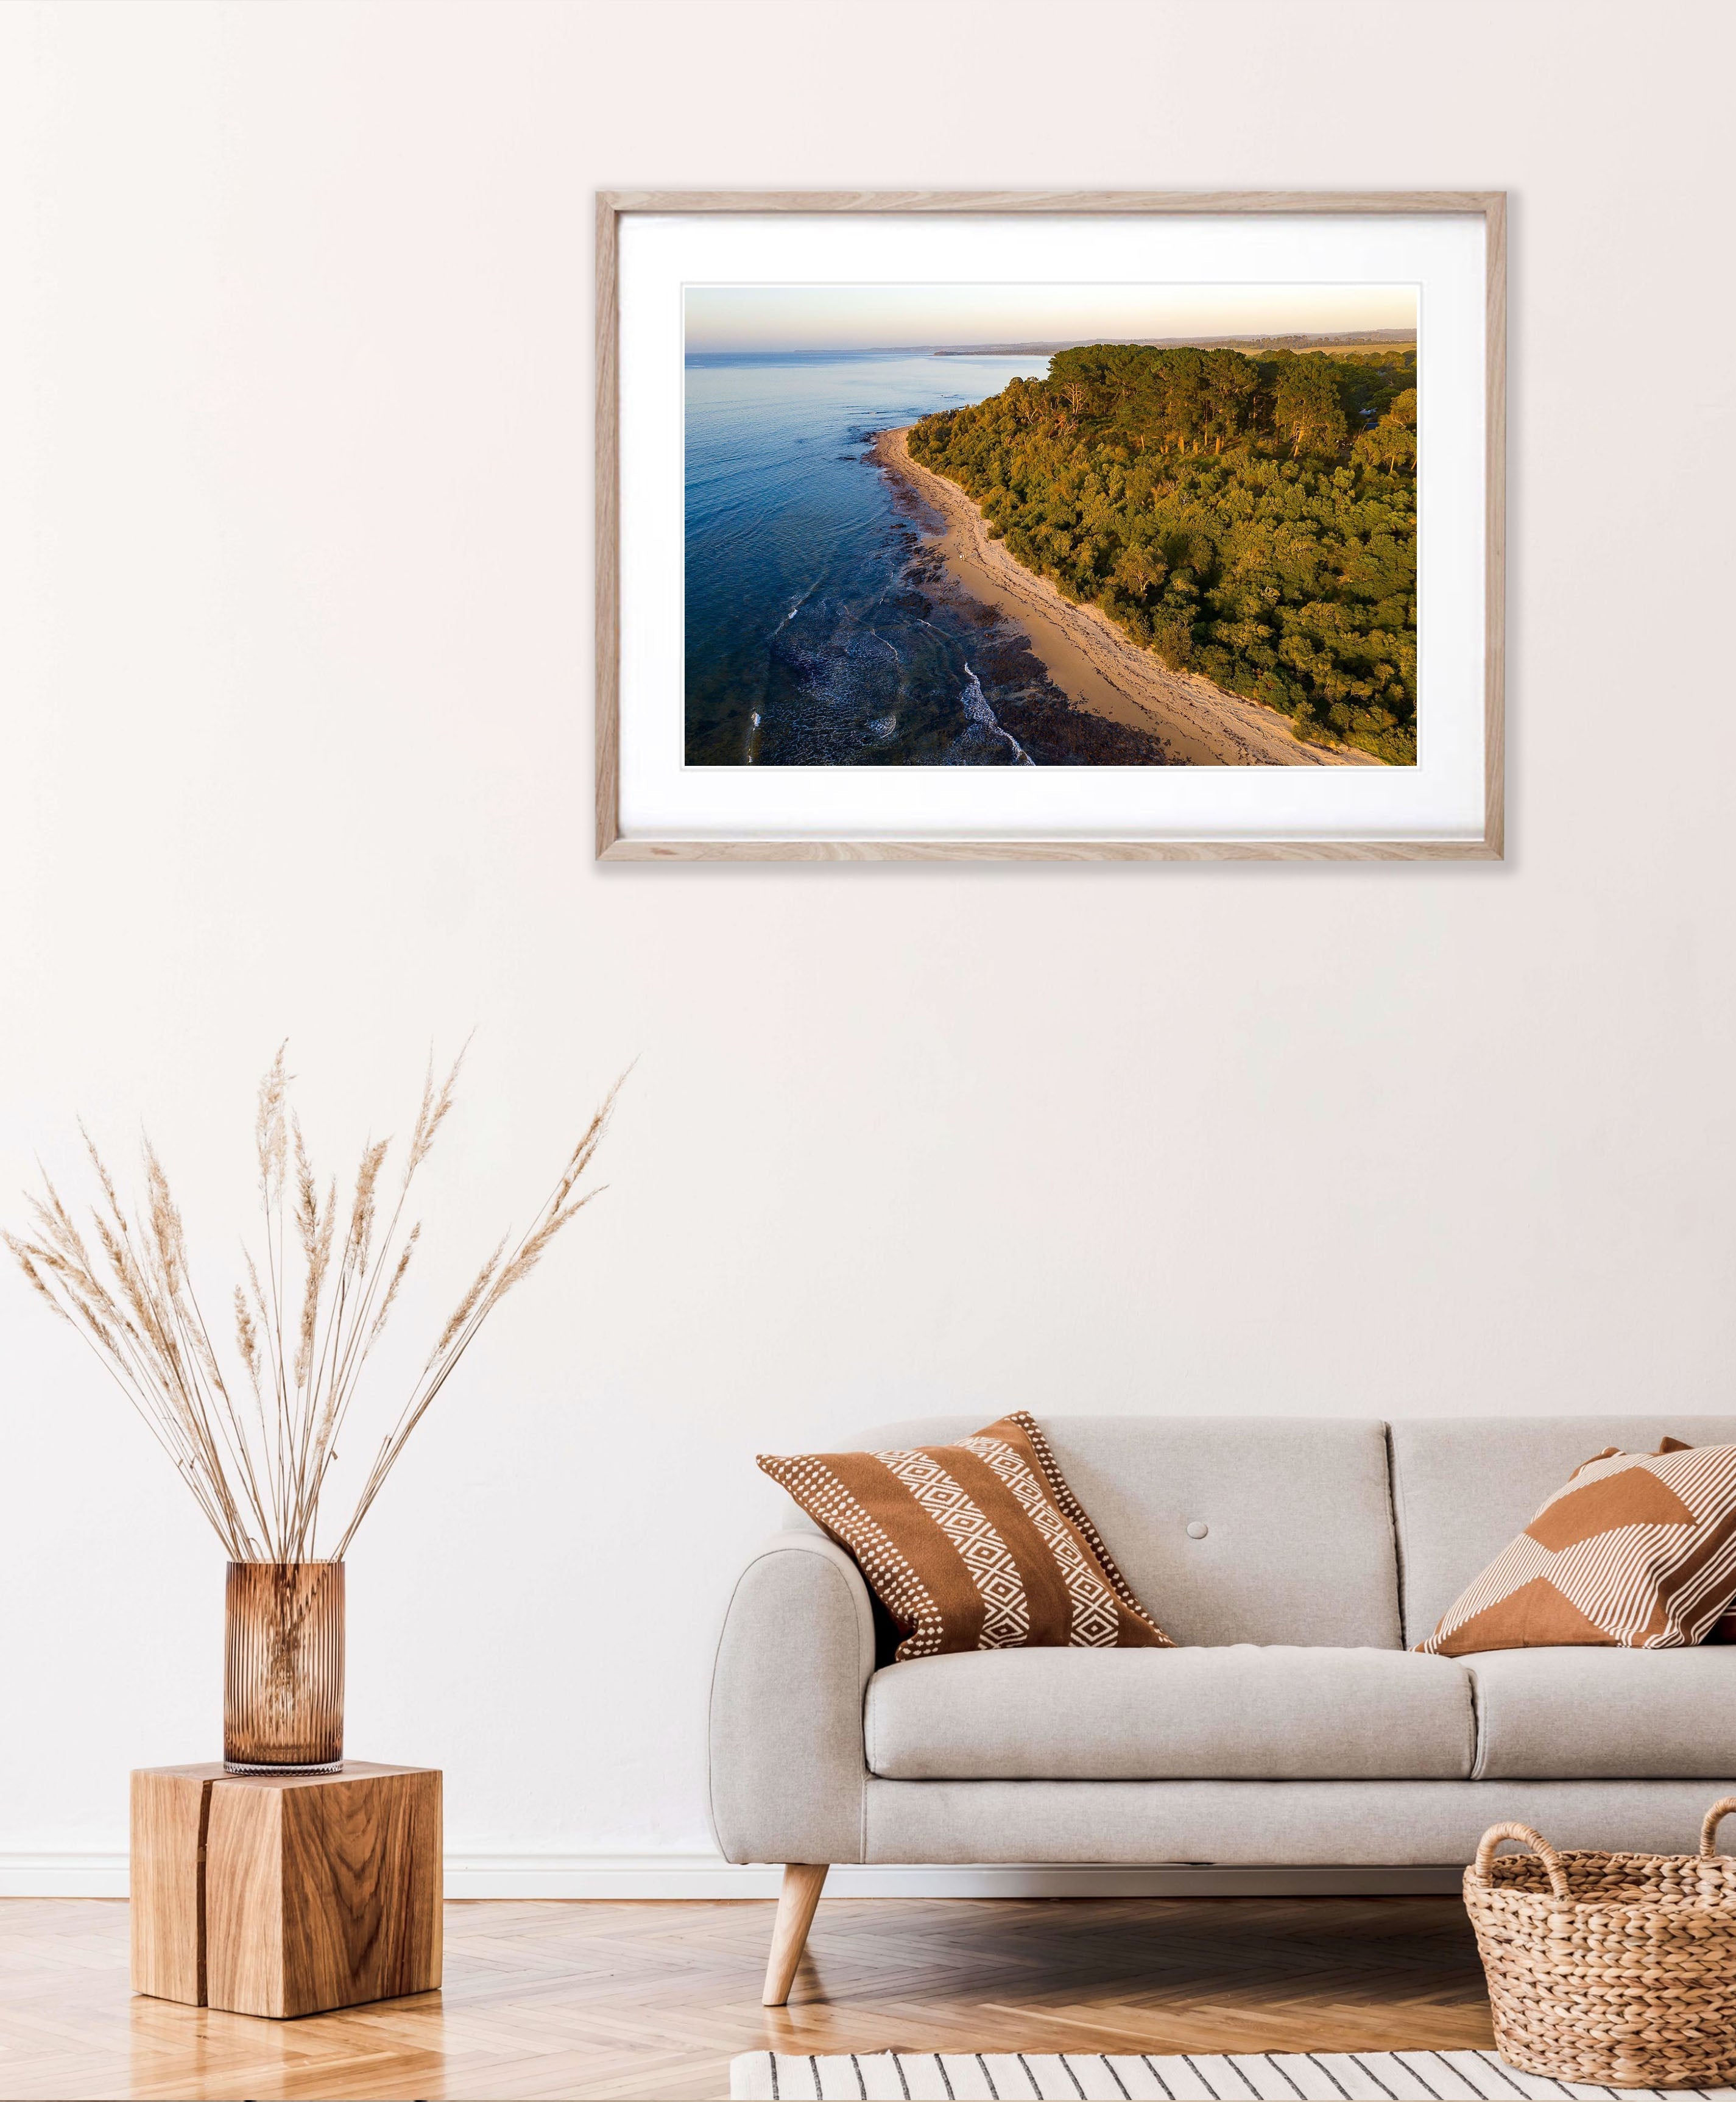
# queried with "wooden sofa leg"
point(802, 1884)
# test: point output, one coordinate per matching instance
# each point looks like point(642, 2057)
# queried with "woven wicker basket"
point(1616, 1969)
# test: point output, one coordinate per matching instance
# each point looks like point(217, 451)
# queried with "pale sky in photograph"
point(773, 317)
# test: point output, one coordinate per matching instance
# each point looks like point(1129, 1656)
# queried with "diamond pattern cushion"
point(1638, 1551)
point(979, 1544)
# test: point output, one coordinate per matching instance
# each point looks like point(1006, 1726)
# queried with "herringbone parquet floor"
point(651, 2000)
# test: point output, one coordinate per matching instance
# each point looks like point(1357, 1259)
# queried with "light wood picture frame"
point(1478, 836)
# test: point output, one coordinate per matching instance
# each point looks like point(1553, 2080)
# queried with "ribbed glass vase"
point(283, 1668)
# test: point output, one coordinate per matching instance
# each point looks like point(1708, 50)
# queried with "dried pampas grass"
point(255, 1450)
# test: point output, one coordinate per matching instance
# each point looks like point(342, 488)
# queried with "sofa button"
point(1198, 1529)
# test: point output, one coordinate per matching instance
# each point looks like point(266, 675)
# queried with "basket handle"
point(1540, 1848)
point(1709, 1830)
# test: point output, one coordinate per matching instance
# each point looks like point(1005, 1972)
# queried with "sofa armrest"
point(788, 1773)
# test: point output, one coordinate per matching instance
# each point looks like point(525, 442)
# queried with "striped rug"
point(1313, 2075)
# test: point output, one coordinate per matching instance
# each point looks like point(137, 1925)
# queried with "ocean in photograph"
point(820, 628)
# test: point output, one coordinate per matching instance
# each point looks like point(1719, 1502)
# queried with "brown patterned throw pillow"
point(976, 1545)
point(1638, 1551)
point(1723, 1629)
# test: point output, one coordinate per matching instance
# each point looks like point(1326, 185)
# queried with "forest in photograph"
point(1252, 518)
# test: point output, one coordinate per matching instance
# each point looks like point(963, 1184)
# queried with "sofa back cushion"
point(1232, 1529)
point(1463, 1488)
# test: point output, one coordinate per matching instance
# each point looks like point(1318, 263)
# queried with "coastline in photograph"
point(1115, 526)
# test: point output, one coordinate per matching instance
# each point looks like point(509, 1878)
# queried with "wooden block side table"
point(285, 1894)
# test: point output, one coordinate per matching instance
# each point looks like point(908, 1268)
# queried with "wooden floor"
point(651, 2000)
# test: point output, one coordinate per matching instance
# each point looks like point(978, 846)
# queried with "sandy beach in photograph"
point(1089, 659)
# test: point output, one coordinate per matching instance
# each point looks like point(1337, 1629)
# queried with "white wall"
point(295, 580)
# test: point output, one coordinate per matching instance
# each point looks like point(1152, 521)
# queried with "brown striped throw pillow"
point(1638, 1551)
point(1723, 1629)
point(976, 1545)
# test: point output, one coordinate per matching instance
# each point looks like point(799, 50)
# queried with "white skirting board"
point(703, 1876)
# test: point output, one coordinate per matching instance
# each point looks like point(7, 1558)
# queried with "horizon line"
point(1214, 339)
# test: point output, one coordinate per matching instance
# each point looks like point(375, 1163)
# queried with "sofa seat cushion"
point(1238, 1713)
point(1605, 1714)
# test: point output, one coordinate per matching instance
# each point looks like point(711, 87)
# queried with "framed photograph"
point(1068, 526)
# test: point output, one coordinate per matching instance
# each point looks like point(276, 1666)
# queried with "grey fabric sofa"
point(1297, 1560)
